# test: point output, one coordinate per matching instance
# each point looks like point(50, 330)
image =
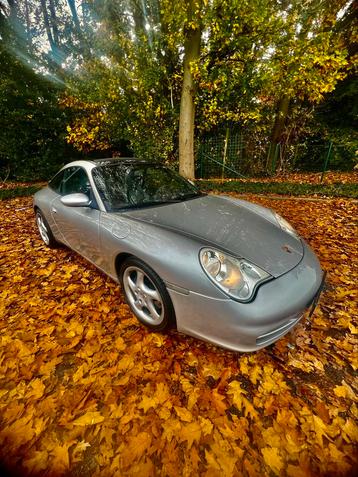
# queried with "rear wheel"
point(45, 231)
point(146, 295)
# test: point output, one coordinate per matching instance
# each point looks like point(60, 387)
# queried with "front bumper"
point(276, 309)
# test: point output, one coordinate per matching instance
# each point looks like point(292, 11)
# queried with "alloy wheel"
point(144, 297)
point(42, 229)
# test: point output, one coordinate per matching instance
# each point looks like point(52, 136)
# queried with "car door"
point(78, 226)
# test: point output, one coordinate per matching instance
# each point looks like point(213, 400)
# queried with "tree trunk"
point(187, 105)
point(277, 130)
point(13, 10)
point(28, 26)
point(56, 36)
point(72, 5)
point(48, 27)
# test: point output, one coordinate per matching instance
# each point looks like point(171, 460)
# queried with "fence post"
point(201, 164)
point(325, 165)
point(225, 152)
point(273, 168)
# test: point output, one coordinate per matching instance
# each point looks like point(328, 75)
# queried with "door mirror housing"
point(76, 200)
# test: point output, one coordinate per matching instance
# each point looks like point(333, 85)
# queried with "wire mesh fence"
point(230, 154)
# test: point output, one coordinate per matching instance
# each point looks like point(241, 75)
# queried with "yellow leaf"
point(171, 428)
point(319, 428)
point(272, 459)
point(36, 463)
point(211, 369)
point(217, 400)
point(19, 432)
point(88, 419)
point(162, 393)
point(119, 344)
point(294, 471)
point(37, 388)
point(190, 391)
point(190, 432)
point(137, 446)
point(351, 431)
point(143, 469)
point(206, 425)
point(123, 380)
point(164, 413)
point(344, 391)
point(47, 368)
point(146, 403)
point(221, 458)
point(125, 363)
point(183, 414)
point(211, 461)
point(236, 391)
point(255, 374)
point(61, 460)
point(85, 298)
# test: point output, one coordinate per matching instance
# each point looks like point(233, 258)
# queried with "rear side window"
point(55, 182)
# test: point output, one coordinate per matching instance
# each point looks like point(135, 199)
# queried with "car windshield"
point(140, 185)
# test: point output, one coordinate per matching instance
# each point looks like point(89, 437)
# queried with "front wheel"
point(146, 295)
point(45, 231)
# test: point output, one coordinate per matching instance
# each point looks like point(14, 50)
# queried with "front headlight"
point(286, 226)
point(235, 276)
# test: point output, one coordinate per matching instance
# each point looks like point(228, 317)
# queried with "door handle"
point(54, 210)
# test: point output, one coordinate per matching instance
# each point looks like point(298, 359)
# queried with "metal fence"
point(232, 154)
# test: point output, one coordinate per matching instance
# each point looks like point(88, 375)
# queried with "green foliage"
point(336, 120)
point(116, 69)
point(32, 126)
point(18, 192)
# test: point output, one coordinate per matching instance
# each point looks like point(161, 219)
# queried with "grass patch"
point(284, 188)
point(19, 192)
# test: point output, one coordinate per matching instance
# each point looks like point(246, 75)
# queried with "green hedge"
point(285, 188)
point(18, 192)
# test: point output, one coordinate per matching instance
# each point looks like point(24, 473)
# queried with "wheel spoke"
point(131, 284)
point(153, 311)
point(140, 279)
point(151, 293)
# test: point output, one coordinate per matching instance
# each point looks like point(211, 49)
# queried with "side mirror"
point(76, 200)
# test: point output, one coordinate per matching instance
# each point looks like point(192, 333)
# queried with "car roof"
point(89, 164)
point(110, 161)
point(119, 160)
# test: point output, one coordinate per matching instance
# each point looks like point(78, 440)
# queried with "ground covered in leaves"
point(85, 390)
point(329, 177)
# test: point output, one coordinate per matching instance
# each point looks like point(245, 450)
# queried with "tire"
point(146, 295)
point(44, 230)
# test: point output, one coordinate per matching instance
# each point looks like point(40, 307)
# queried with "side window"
point(75, 180)
point(55, 182)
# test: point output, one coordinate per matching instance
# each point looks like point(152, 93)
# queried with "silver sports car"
point(220, 269)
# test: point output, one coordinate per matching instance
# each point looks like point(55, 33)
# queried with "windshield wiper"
point(149, 204)
point(190, 196)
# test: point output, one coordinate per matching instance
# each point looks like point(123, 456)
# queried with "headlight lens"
point(235, 276)
point(286, 226)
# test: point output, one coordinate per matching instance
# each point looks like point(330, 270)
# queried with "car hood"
point(238, 227)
